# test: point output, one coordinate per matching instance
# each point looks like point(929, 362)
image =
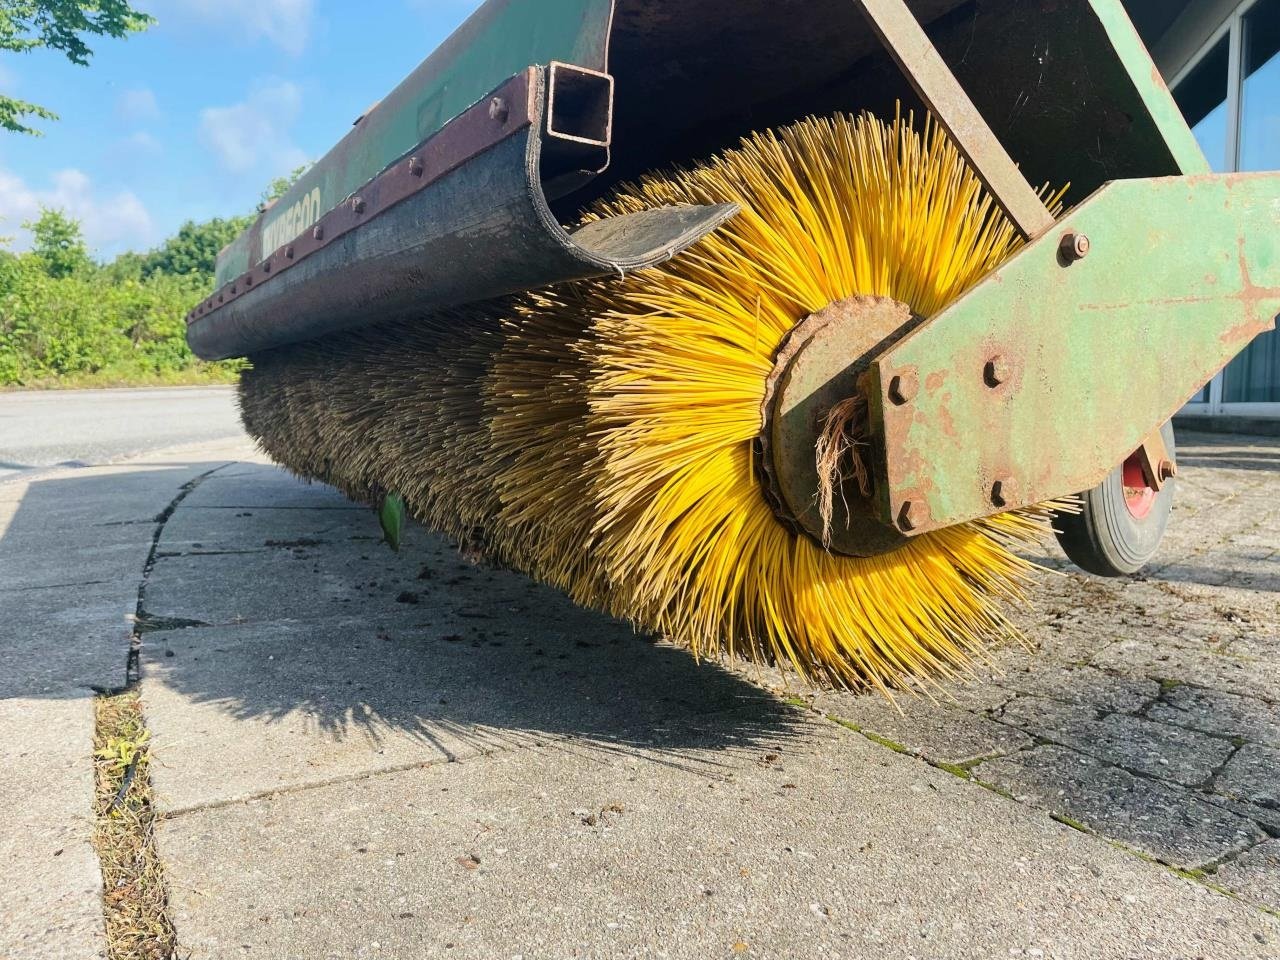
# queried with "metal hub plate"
point(819, 364)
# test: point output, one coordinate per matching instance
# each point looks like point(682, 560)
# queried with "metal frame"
point(1233, 29)
point(918, 59)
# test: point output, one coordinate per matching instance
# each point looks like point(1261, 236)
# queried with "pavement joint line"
point(538, 742)
point(53, 586)
point(206, 506)
point(1198, 875)
point(179, 554)
point(176, 813)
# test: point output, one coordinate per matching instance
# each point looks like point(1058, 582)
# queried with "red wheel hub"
point(1138, 494)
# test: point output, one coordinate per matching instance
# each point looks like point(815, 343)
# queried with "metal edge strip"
point(507, 111)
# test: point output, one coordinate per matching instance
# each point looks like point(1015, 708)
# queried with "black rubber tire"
point(1105, 538)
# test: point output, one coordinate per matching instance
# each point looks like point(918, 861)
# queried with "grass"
point(135, 898)
point(202, 375)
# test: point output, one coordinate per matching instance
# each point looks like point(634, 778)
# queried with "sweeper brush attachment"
point(803, 401)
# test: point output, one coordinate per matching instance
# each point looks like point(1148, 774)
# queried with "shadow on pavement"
point(289, 615)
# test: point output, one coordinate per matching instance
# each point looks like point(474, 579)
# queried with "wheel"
point(1123, 520)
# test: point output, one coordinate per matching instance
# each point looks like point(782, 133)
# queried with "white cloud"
point(286, 23)
point(137, 106)
point(110, 223)
point(253, 134)
point(141, 143)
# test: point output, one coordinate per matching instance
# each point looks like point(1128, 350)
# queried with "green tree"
point(193, 250)
point(60, 25)
point(278, 187)
point(58, 243)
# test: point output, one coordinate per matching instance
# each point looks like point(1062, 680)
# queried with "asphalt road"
point(45, 429)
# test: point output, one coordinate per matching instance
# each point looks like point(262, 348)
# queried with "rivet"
point(1074, 246)
point(220, 298)
point(498, 110)
point(317, 233)
point(1003, 492)
point(903, 387)
point(996, 371)
point(912, 515)
point(289, 252)
point(416, 166)
point(266, 266)
point(357, 204)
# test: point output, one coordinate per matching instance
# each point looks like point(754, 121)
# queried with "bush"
point(97, 326)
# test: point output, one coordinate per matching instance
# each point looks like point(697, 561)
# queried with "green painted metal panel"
point(233, 260)
point(502, 38)
point(1094, 354)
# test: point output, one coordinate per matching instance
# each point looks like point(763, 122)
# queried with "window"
point(1202, 97)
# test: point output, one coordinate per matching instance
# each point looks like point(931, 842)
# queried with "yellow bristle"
point(830, 208)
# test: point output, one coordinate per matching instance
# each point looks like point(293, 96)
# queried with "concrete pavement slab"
point(51, 894)
point(836, 849)
point(331, 690)
point(211, 529)
point(243, 711)
point(54, 639)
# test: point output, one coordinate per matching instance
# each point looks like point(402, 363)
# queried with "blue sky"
point(192, 119)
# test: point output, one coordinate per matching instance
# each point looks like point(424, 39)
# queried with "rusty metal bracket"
point(1053, 370)
point(1158, 465)
point(937, 86)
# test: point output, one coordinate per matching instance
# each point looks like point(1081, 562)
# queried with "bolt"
point(266, 266)
point(219, 298)
point(416, 167)
point(1003, 491)
point(997, 371)
point(498, 110)
point(357, 204)
point(234, 289)
point(318, 232)
point(1168, 470)
point(1074, 246)
point(248, 280)
point(912, 515)
point(903, 387)
point(288, 252)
